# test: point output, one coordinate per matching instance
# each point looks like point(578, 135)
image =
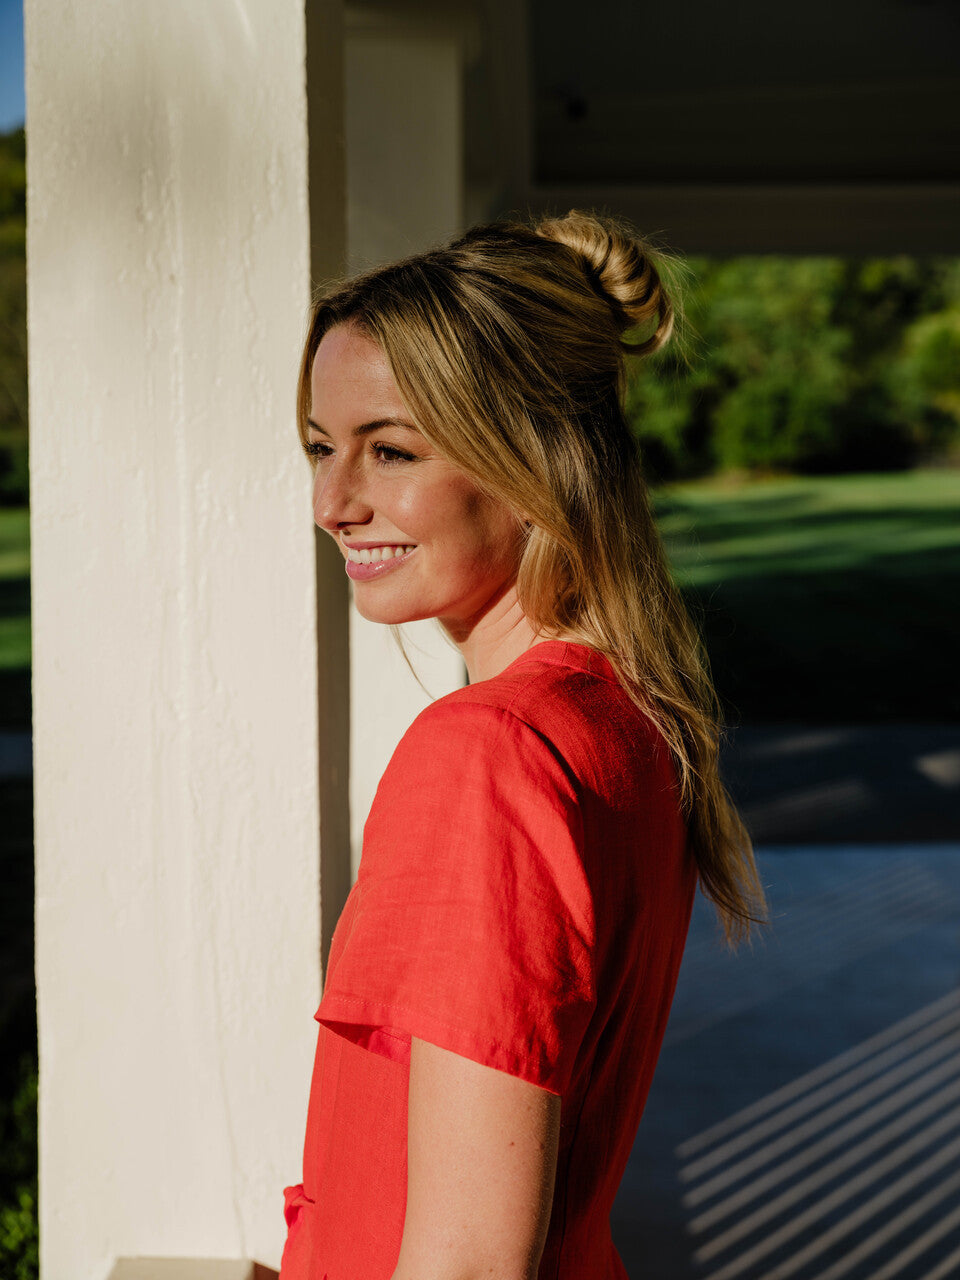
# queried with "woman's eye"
point(387, 454)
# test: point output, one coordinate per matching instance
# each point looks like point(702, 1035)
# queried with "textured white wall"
point(174, 605)
point(404, 194)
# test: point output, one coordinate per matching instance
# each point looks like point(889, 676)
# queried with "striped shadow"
point(849, 1172)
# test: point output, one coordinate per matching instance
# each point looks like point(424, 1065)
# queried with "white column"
point(175, 596)
point(404, 136)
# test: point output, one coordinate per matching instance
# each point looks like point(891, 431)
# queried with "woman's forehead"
point(346, 349)
point(351, 375)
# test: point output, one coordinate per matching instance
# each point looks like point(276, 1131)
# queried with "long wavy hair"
point(508, 347)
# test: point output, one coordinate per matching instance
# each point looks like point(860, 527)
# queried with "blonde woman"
point(500, 978)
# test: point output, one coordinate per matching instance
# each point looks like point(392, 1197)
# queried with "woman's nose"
point(338, 499)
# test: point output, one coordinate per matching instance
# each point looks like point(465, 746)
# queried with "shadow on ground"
point(839, 785)
point(805, 1117)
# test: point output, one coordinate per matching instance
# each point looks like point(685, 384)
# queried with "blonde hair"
point(508, 348)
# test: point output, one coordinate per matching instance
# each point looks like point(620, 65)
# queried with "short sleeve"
point(472, 925)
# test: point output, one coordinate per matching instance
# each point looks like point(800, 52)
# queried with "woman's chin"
point(388, 613)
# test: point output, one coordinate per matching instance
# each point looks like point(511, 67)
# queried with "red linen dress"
point(523, 900)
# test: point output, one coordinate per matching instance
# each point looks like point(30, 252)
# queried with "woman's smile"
point(367, 561)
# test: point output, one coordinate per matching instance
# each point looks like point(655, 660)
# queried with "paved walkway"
point(805, 1118)
point(16, 754)
point(886, 783)
point(804, 1121)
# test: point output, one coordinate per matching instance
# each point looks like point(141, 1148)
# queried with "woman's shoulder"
point(549, 680)
point(476, 755)
point(556, 696)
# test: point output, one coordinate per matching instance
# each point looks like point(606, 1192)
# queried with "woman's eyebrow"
point(366, 427)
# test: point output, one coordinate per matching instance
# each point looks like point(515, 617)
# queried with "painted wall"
point(175, 606)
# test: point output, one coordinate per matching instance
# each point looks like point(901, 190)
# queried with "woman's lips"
point(367, 572)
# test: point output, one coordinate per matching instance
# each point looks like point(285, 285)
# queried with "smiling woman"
point(500, 978)
point(381, 488)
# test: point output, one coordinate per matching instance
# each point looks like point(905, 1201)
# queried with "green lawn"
point(824, 599)
point(14, 617)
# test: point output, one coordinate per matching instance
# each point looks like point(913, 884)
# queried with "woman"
point(500, 978)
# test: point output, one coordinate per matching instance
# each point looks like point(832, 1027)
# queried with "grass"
point(824, 599)
point(14, 617)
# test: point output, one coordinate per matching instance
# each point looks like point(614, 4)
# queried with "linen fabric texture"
point(523, 899)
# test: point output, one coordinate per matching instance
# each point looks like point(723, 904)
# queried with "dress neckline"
point(566, 653)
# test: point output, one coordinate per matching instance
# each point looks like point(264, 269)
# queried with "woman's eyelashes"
point(386, 454)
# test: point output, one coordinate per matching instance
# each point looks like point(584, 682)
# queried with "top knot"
point(623, 269)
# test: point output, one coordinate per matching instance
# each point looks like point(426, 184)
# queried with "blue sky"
point(11, 64)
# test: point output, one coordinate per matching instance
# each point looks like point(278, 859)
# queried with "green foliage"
point(19, 1235)
point(13, 321)
point(13, 176)
point(806, 364)
point(14, 614)
point(925, 379)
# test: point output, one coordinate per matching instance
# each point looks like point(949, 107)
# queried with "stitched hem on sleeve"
point(383, 1028)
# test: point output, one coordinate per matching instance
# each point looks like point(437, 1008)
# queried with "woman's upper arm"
point(481, 1160)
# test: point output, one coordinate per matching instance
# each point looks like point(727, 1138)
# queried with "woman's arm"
point(481, 1160)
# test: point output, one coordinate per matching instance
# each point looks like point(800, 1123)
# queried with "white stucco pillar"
point(176, 600)
point(404, 132)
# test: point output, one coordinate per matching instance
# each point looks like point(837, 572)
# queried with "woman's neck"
point(495, 640)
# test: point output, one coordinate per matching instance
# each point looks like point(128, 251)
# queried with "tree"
point(13, 320)
point(805, 364)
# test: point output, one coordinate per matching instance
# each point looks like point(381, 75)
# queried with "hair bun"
point(622, 268)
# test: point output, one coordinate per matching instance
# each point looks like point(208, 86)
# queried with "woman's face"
point(419, 538)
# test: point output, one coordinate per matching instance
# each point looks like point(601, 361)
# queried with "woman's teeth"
point(374, 555)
